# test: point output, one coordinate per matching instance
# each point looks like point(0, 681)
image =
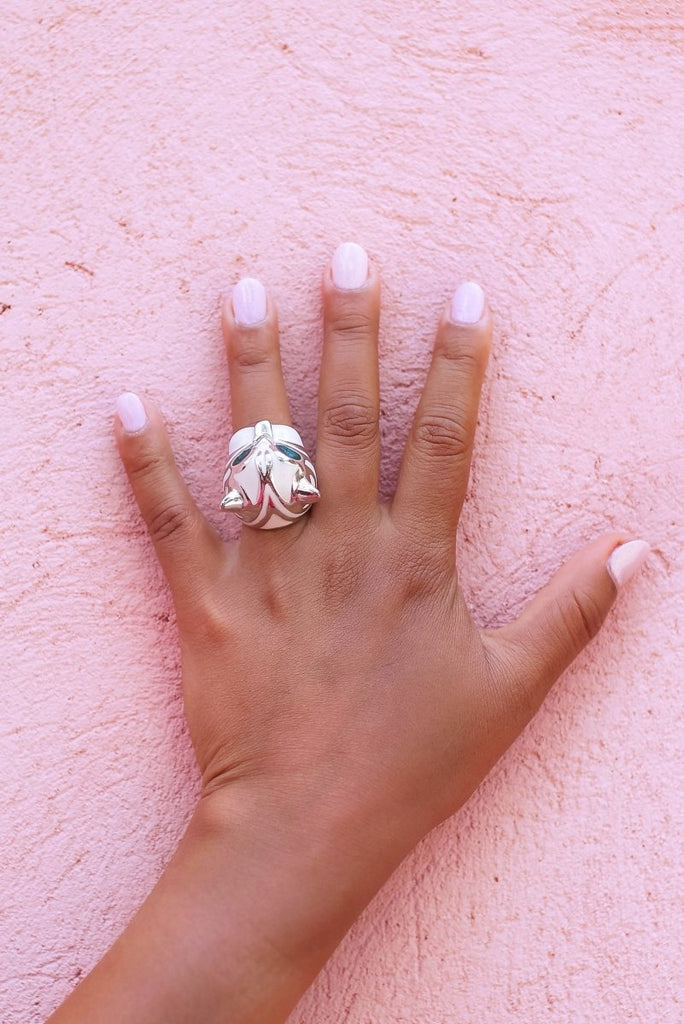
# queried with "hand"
point(340, 699)
point(334, 661)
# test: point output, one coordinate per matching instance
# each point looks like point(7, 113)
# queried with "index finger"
point(436, 464)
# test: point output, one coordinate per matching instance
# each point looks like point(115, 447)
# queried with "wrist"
point(306, 866)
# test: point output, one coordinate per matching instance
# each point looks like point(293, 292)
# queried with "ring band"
point(270, 480)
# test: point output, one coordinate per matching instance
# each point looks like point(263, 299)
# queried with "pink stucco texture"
point(151, 154)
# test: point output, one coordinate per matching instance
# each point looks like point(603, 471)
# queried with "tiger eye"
point(290, 452)
point(241, 457)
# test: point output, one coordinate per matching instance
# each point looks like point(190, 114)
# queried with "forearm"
point(244, 917)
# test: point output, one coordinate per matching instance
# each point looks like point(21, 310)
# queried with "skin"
point(340, 699)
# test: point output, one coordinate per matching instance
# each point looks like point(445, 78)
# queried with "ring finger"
point(250, 332)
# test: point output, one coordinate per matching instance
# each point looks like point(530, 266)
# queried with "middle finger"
point(348, 444)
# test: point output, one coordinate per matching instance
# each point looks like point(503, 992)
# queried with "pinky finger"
point(187, 546)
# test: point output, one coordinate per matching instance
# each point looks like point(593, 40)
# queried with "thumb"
point(187, 546)
point(567, 613)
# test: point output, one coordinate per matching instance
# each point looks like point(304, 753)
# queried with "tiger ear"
point(305, 492)
point(232, 501)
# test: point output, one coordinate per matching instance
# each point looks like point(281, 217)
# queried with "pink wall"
point(156, 151)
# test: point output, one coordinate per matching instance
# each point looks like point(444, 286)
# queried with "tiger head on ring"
point(269, 482)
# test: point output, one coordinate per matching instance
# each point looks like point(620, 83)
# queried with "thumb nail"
point(626, 560)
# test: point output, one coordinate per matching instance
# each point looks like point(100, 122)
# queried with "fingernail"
point(349, 266)
point(468, 303)
point(249, 302)
point(626, 560)
point(131, 412)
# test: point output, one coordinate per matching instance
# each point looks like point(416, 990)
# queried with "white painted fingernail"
point(468, 303)
point(249, 302)
point(349, 266)
point(626, 560)
point(131, 412)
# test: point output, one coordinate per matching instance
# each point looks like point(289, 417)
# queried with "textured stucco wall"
point(153, 152)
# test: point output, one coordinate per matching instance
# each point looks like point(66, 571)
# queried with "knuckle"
point(582, 617)
point(351, 420)
point(170, 522)
point(418, 565)
point(517, 693)
point(341, 574)
point(277, 592)
point(353, 324)
point(443, 435)
point(207, 619)
point(144, 463)
point(424, 572)
point(252, 351)
point(520, 697)
point(469, 349)
point(348, 566)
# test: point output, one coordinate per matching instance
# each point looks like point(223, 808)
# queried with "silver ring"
point(270, 480)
